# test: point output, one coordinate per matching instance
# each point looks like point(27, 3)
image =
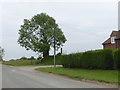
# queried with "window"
point(113, 40)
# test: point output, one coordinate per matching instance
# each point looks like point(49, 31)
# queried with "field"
point(19, 63)
point(30, 62)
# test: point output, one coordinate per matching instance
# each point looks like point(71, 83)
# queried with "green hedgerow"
point(97, 59)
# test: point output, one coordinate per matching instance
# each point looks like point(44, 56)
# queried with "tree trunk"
point(46, 53)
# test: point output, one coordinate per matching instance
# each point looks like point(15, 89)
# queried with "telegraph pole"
point(54, 48)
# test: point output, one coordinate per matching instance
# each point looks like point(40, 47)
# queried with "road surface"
point(0, 76)
point(27, 77)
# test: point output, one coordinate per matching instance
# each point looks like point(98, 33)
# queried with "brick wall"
point(110, 46)
point(118, 43)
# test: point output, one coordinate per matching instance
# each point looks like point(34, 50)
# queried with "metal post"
point(54, 49)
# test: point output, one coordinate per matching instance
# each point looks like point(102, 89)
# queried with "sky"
point(85, 23)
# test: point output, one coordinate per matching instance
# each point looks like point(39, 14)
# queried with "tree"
point(37, 34)
point(1, 53)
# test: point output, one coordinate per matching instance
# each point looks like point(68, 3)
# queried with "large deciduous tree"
point(37, 34)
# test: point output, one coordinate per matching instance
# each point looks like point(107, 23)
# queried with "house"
point(113, 41)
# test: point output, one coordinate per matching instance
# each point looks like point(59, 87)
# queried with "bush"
point(116, 56)
point(39, 60)
point(71, 60)
point(23, 58)
point(12, 60)
point(97, 59)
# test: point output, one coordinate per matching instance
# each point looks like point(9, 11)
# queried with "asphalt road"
point(27, 77)
point(0, 76)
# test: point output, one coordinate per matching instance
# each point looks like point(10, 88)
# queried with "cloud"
point(85, 25)
point(59, 1)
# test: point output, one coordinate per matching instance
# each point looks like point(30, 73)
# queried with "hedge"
point(116, 56)
point(71, 60)
point(97, 59)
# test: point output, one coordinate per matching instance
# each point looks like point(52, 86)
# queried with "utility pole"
point(61, 51)
point(54, 48)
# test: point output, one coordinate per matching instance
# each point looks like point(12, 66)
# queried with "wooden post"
point(61, 51)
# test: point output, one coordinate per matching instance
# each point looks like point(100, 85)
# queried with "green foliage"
point(1, 53)
point(25, 58)
point(20, 62)
point(39, 60)
point(109, 76)
point(50, 60)
point(116, 56)
point(0, 62)
point(12, 60)
point(28, 61)
point(97, 59)
point(71, 60)
point(37, 34)
point(32, 58)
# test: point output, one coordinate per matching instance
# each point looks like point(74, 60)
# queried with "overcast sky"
point(86, 25)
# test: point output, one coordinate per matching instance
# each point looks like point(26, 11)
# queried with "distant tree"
point(37, 34)
point(23, 58)
point(1, 53)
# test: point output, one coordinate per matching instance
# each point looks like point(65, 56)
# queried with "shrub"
point(49, 60)
point(39, 60)
point(23, 58)
point(12, 60)
point(116, 56)
point(97, 59)
point(71, 60)
point(32, 58)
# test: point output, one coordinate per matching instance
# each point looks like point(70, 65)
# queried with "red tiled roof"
point(114, 33)
point(107, 41)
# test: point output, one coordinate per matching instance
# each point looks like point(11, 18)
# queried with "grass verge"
point(107, 76)
point(0, 62)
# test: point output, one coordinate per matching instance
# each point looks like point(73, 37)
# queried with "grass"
point(19, 63)
point(0, 62)
point(23, 62)
point(108, 76)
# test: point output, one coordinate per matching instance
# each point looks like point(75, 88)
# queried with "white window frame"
point(113, 40)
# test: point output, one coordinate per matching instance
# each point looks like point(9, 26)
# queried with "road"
point(0, 76)
point(27, 77)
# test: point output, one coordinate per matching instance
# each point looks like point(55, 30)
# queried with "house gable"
point(113, 41)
